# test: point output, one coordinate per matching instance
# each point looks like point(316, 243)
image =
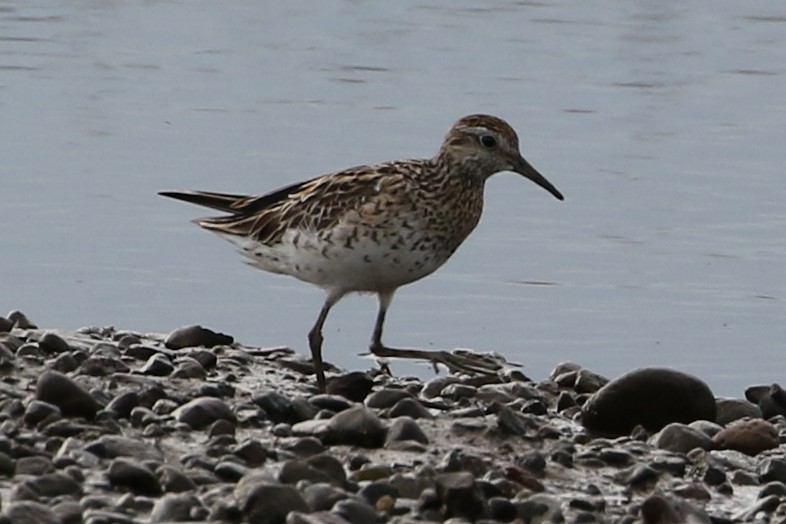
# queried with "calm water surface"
point(662, 122)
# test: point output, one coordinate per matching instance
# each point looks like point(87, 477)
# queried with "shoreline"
point(104, 425)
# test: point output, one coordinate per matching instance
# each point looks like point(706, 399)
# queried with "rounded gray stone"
point(63, 392)
point(203, 411)
point(651, 397)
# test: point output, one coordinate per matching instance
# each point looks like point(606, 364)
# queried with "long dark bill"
point(524, 168)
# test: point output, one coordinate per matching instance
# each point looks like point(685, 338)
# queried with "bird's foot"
point(457, 361)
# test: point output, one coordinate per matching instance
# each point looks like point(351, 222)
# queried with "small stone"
point(588, 381)
point(195, 336)
point(512, 423)
point(293, 471)
point(657, 509)
point(565, 401)
point(334, 403)
point(772, 401)
point(265, 501)
point(434, 387)
point(681, 438)
point(6, 325)
point(763, 505)
point(102, 366)
point(358, 426)
point(277, 407)
point(409, 407)
point(617, 457)
point(354, 386)
point(230, 471)
point(70, 397)
point(652, 397)
point(458, 391)
point(133, 475)
point(189, 368)
point(773, 488)
point(157, 366)
point(64, 363)
point(322, 496)
point(46, 486)
point(749, 436)
point(20, 320)
point(405, 428)
point(174, 480)
point(174, 507)
point(317, 517)
point(385, 398)
point(501, 509)
point(53, 344)
point(731, 409)
point(111, 446)
point(305, 447)
point(461, 496)
point(27, 512)
point(38, 411)
point(773, 469)
point(356, 511)
point(714, 476)
point(206, 358)
point(374, 491)
point(33, 465)
point(203, 411)
point(532, 461)
point(68, 511)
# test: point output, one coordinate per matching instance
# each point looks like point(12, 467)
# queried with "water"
point(662, 123)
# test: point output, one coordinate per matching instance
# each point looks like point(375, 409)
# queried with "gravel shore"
point(109, 426)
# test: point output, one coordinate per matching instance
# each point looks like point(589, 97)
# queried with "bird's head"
point(484, 145)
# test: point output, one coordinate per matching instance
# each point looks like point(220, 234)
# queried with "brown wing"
point(313, 205)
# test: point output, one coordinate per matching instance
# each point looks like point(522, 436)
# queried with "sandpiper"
point(374, 228)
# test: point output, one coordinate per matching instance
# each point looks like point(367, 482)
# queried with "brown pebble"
point(750, 436)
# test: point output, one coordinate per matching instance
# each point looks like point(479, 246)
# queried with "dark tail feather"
point(220, 201)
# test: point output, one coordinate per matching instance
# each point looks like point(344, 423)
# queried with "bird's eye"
point(488, 141)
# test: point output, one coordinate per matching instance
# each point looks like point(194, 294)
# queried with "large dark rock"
point(650, 397)
point(70, 397)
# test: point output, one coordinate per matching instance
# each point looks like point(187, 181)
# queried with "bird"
point(373, 228)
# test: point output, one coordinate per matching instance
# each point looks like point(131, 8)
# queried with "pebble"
point(72, 399)
point(195, 336)
point(264, 500)
point(158, 366)
point(731, 409)
point(52, 343)
point(128, 473)
point(749, 436)
point(28, 512)
point(239, 437)
point(203, 411)
point(358, 426)
point(354, 386)
point(681, 438)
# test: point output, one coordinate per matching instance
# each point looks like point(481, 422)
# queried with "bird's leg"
point(315, 338)
point(469, 363)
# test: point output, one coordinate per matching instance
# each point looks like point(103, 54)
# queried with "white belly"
point(364, 266)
